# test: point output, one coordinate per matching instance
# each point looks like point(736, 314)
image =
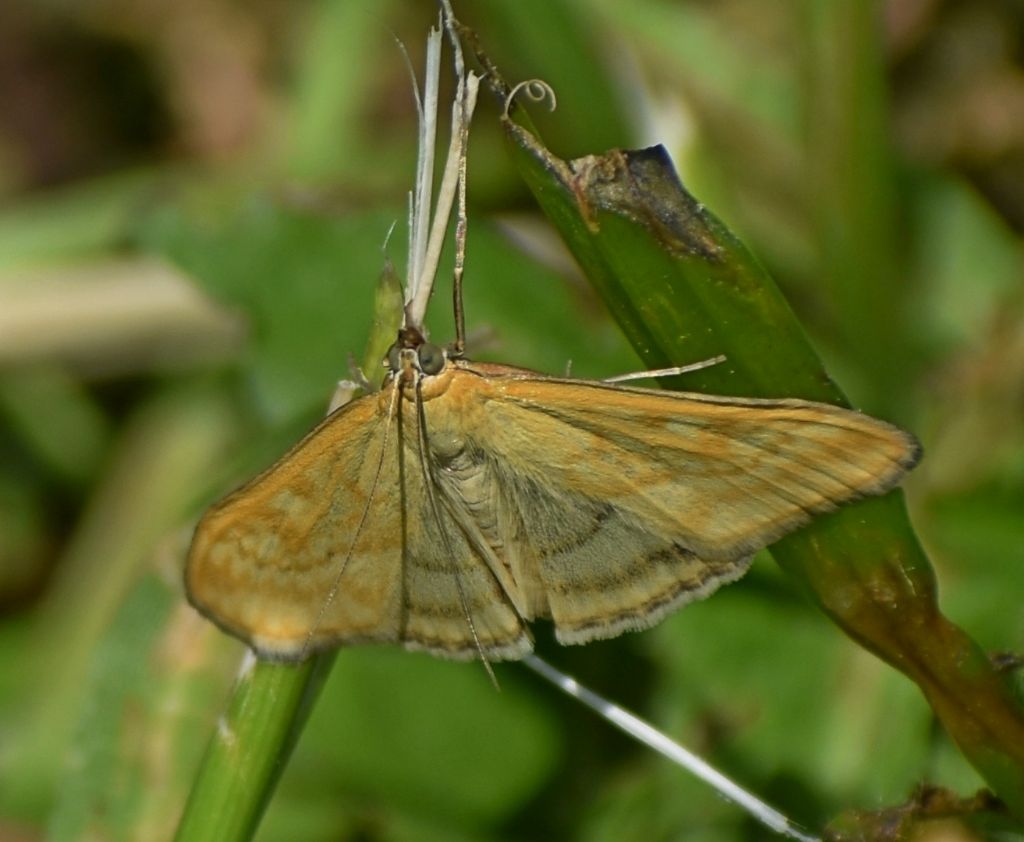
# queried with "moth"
point(466, 499)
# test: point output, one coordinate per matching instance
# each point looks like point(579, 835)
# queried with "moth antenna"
point(333, 592)
point(666, 372)
point(535, 90)
point(428, 482)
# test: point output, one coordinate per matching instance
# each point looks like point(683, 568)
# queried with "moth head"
point(413, 352)
point(420, 370)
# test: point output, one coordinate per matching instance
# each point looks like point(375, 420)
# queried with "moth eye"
point(431, 358)
point(393, 361)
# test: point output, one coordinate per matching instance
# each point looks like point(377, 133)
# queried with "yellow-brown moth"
point(466, 499)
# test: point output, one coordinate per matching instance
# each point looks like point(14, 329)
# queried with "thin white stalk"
point(462, 113)
point(666, 372)
point(666, 746)
point(448, 17)
point(423, 271)
point(426, 112)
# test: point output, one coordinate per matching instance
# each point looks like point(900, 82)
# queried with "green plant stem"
point(249, 748)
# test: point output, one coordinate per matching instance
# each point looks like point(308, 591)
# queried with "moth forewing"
point(265, 560)
point(725, 476)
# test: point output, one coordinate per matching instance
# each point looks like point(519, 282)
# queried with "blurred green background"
point(195, 203)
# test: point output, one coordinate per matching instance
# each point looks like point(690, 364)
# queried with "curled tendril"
point(535, 90)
